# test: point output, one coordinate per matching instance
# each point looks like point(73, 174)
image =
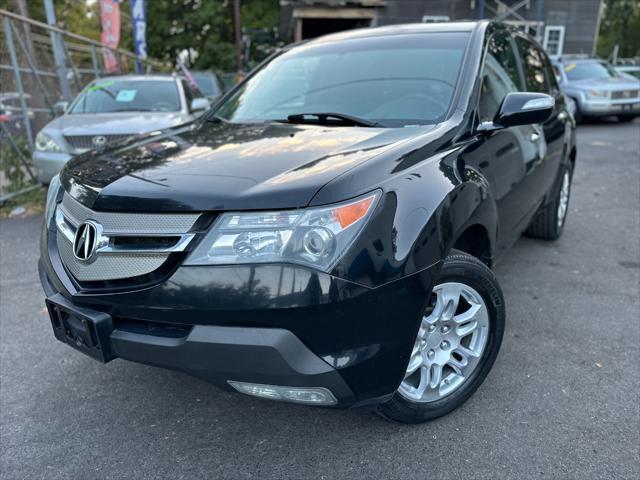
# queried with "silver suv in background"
point(597, 89)
point(111, 109)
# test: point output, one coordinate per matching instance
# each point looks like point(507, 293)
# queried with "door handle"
point(535, 137)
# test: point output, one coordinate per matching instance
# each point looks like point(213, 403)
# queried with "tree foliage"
point(204, 28)
point(620, 26)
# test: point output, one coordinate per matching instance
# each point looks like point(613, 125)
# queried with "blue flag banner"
point(139, 24)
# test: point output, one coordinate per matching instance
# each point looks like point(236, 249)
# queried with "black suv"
point(325, 234)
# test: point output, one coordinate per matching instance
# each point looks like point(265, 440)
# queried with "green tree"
point(204, 28)
point(620, 26)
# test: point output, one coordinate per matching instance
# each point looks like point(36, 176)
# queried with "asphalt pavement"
point(561, 402)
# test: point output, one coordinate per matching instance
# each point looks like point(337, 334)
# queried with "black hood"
point(221, 166)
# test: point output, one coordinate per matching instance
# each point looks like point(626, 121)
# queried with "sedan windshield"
point(587, 70)
point(395, 80)
point(107, 96)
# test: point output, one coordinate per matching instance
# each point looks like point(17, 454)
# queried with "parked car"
point(209, 84)
point(113, 109)
point(325, 235)
point(598, 89)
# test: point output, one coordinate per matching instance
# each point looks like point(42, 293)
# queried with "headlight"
point(316, 237)
point(52, 199)
point(44, 143)
point(599, 93)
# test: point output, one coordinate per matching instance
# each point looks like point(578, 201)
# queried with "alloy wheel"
point(563, 203)
point(452, 337)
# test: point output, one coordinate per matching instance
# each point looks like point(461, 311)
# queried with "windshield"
point(106, 96)
point(392, 80)
point(206, 84)
point(587, 70)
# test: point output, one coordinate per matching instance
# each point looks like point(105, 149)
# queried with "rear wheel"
point(457, 342)
point(548, 224)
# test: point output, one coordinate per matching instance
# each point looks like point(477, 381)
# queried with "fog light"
point(307, 395)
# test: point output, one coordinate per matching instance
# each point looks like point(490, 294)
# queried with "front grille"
point(128, 245)
point(623, 94)
point(86, 142)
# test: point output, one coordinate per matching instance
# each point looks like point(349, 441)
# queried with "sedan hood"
point(222, 166)
point(125, 123)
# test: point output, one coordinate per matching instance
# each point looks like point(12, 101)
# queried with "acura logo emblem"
point(85, 240)
point(99, 141)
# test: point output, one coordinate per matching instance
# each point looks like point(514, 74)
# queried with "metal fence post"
point(16, 70)
point(58, 51)
point(94, 61)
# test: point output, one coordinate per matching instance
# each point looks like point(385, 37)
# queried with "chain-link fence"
point(41, 65)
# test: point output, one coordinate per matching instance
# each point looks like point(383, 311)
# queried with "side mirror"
point(521, 108)
point(60, 108)
point(198, 104)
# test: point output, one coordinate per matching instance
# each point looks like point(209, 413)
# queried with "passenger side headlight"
point(315, 237)
point(44, 143)
point(601, 94)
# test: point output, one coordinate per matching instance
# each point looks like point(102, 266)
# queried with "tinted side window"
point(533, 63)
point(499, 77)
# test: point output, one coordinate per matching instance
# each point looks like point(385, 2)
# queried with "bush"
point(13, 174)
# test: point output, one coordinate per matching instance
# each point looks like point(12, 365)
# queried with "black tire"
point(463, 268)
point(626, 118)
point(546, 225)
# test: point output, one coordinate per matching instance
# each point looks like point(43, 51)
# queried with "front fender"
point(421, 214)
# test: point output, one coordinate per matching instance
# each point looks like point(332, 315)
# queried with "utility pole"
point(238, 32)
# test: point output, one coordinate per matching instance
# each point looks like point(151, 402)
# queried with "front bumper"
point(49, 164)
point(269, 324)
point(602, 108)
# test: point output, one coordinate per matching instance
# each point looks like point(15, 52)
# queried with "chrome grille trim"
point(85, 142)
point(129, 223)
point(112, 261)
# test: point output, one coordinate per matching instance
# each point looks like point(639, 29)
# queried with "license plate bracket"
point(84, 329)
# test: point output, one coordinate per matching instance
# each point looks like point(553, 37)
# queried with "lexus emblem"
point(99, 141)
point(84, 243)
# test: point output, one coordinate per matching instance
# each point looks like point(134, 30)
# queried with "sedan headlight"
point(601, 94)
point(315, 237)
point(44, 143)
point(52, 199)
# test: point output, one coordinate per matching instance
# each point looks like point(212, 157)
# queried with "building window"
point(554, 40)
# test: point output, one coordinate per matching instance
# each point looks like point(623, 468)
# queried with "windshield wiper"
point(325, 119)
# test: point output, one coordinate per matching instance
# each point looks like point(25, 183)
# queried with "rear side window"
point(499, 76)
point(533, 63)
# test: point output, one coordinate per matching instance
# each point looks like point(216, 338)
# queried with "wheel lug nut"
point(444, 345)
point(430, 353)
point(446, 381)
point(444, 329)
point(431, 328)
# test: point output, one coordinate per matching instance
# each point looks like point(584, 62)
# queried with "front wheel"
point(457, 342)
